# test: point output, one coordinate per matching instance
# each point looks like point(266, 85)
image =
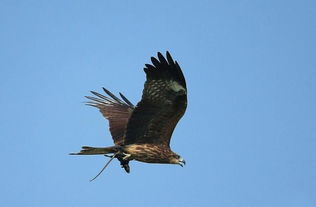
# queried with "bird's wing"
point(163, 103)
point(115, 110)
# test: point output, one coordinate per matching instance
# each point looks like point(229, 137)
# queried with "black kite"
point(143, 132)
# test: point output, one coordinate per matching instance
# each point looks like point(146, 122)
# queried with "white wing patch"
point(174, 85)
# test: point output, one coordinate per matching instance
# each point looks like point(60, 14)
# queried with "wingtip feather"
point(162, 59)
point(169, 58)
point(126, 100)
point(155, 62)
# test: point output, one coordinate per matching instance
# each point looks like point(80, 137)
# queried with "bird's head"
point(178, 160)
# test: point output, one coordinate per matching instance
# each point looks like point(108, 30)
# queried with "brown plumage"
point(143, 132)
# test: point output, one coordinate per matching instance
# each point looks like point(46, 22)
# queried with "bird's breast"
point(149, 153)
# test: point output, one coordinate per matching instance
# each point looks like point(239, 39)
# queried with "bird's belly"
point(146, 153)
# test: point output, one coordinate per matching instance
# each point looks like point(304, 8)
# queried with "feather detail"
point(115, 110)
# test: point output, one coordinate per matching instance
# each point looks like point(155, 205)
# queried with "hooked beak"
point(181, 162)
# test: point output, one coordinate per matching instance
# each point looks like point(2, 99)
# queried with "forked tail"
point(86, 150)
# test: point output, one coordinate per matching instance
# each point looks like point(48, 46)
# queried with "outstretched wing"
point(115, 110)
point(163, 103)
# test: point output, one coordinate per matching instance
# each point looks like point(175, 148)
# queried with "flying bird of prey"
point(143, 132)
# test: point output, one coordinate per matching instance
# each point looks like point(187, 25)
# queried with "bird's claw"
point(126, 156)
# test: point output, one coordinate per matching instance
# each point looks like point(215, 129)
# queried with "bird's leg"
point(126, 156)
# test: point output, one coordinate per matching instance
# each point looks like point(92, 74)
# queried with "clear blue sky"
point(248, 135)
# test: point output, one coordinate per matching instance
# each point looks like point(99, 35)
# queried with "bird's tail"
point(86, 150)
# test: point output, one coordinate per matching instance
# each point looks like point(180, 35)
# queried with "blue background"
point(248, 135)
